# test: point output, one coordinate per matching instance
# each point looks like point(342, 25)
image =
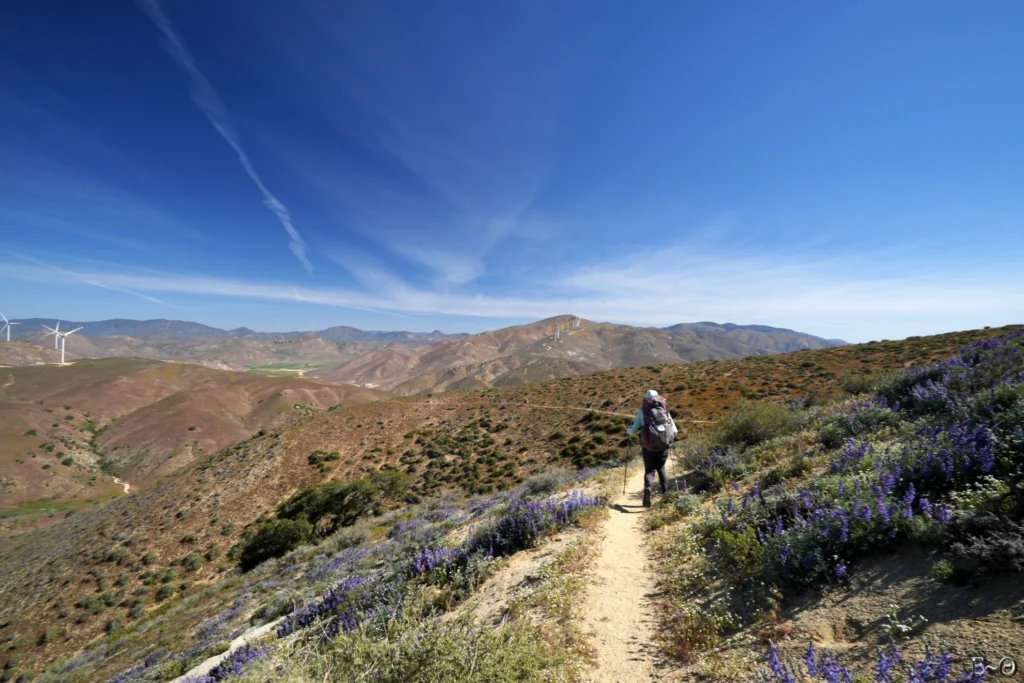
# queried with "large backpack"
point(657, 434)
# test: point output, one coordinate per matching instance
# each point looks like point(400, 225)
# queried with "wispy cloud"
point(842, 297)
point(210, 103)
point(49, 273)
point(457, 151)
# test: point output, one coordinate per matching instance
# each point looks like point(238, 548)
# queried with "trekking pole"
point(625, 464)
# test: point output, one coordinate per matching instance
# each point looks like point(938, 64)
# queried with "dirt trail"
point(249, 636)
point(126, 485)
point(618, 613)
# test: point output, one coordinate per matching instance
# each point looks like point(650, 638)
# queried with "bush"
point(192, 562)
point(49, 636)
point(274, 539)
point(114, 625)
point(750, 423)
point(858, 383)
point(945, 571)
point(545, 482)
point(67, 462)
point(165, 591)
point(687, 504)
point(741, 552)
point(998, 551)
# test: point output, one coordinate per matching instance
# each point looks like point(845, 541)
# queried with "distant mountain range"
point(410, 362)
point(538, 351)
point(180, 329)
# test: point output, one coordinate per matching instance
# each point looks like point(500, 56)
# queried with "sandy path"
point(126, 485)
point(249, 636)
point(618, 614)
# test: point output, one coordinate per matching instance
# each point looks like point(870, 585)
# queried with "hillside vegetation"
point(65, 432)
point(851, 540)
point(475, 441)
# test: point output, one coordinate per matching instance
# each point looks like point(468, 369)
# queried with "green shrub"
point(191, 562)
point(750, 423)
point(115, 625)
point(275, 539)
point(741, 552)
point(165, 591)
point(67, 462)
point(49, 635)
point(687, 504)
point(858, 383)
point(945, 571)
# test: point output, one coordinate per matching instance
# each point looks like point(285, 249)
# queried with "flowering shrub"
point(525, 522)
point(890, 668)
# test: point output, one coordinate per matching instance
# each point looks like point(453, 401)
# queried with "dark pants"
point(654, 461)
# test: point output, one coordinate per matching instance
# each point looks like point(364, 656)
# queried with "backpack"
point(657, 434)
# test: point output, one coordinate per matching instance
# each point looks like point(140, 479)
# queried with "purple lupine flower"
point(784, 555)
point(840, 570)
point(908, 502)
point(944, 514)
point(810, 660)
point(887, 663)
point(925, 506)
point(832, 672)
point(778, 526)
point(775, 665)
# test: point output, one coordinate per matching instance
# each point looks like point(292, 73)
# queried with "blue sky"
point(851, 170)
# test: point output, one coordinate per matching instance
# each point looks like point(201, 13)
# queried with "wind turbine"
point(62, 336)
point(7, 326)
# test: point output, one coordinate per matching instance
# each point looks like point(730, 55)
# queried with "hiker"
point(658, 432)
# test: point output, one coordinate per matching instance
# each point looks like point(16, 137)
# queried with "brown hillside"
point(21, 353)
point(141, 417)
point(475, 439)
point(530, 353)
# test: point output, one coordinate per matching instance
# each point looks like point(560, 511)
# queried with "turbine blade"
point(4, 317)
point(58, 324)
point(72, 331)
point(52, 331)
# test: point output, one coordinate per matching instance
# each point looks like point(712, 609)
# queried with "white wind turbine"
point(62, 336)
point(7, 326)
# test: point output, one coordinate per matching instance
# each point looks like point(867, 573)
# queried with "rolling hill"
point(65, 431)
point(476, 440)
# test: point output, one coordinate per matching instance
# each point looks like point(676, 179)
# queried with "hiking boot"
point(647, 499)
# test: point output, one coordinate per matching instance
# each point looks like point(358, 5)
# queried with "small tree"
point(274, 539)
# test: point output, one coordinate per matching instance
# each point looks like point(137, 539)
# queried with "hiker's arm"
point(638, 422)
point(675, 429)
